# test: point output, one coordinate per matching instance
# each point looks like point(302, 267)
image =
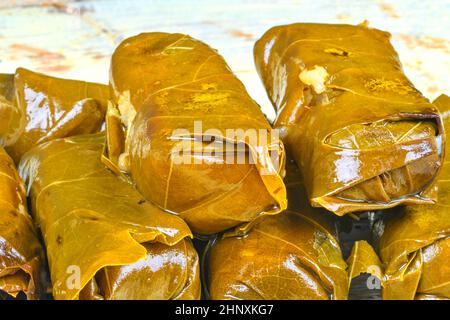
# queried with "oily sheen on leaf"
point(293, 255)
point(103, 240)
point(194, 143)
point(20, 251)
point(415, 244)
point(39, 108)
point(287, 256)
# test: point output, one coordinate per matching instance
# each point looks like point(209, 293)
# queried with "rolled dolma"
point(415, 244)
point(38, 108)
point(20, 250)
point(103, 240)
point(195, 143)
point(363, 136)
point(293, 255)
point(287, 256)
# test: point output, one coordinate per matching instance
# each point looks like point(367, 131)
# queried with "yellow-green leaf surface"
point(20, 251)
point(163, 83)
point(293, 255)
point(363, 136)
point(98, 228)
point(38, 108)
point(415, 245)
point(11, 119)
point(288, 256)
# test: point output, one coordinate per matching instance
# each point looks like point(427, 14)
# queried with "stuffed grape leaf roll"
point(38, 108)
point(20, 251)
point(195, 143)
point(11, 118)
point(363, 136)
point(103, 240)
point(415, 244)
point(289, 256)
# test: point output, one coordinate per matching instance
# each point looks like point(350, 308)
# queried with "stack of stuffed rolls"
point(104, 188)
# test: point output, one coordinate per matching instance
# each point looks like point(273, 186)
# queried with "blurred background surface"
point(75, 38)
